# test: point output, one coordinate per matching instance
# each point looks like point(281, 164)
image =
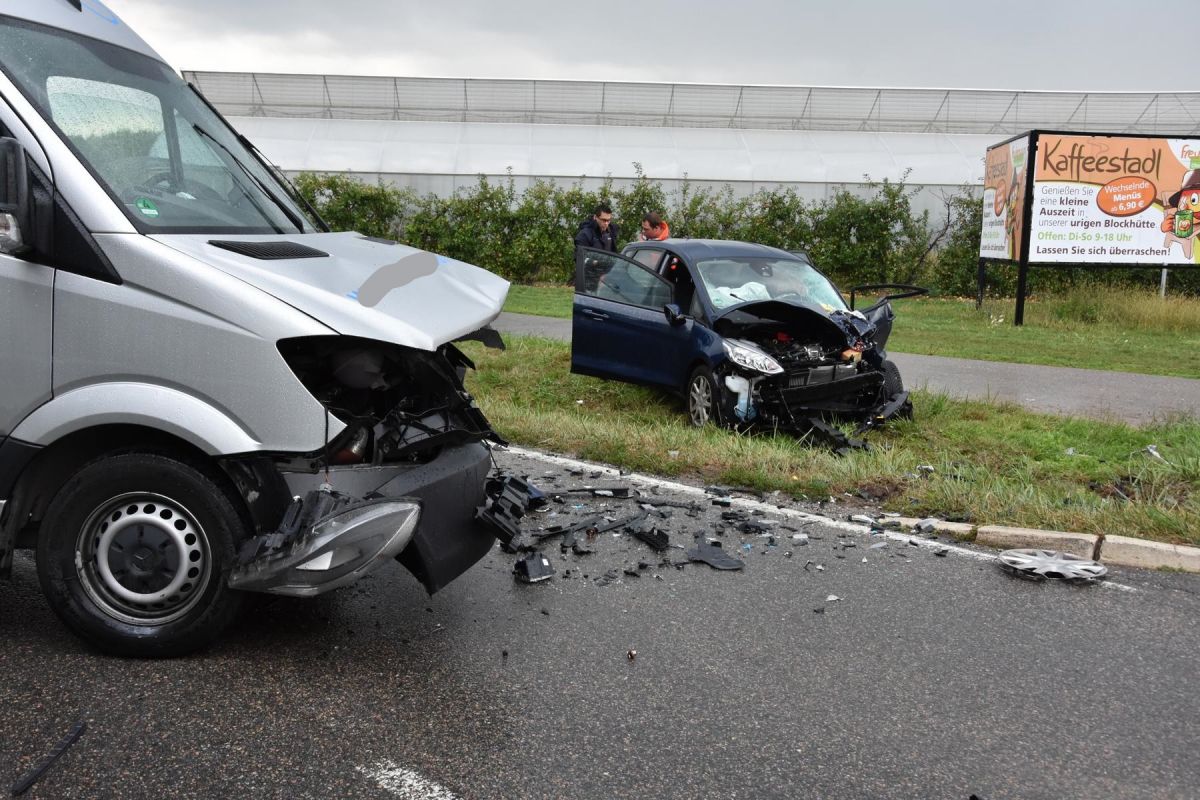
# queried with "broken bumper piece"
point(325, 541)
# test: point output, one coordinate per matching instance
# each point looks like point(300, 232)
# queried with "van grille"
point(270, 251)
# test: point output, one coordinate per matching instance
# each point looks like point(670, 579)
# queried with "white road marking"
point(745, 502)
point(406, 784)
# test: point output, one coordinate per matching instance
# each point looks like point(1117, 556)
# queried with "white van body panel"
point(176, 324)
point(161, 408)
point(424, 311)
point(94, 19)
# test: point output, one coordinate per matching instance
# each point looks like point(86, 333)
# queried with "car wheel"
point(892, 383)
point(135, 552)
point(702, 398)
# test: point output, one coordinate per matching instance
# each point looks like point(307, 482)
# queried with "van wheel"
point(703, 401)
point(135, 552)
point(892, 383)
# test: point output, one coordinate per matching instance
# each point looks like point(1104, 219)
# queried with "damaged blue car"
point(750, 336)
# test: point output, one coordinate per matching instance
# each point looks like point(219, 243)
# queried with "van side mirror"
point(674, 313)
point(14, 198)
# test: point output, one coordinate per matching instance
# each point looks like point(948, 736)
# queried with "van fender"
point(124, 403)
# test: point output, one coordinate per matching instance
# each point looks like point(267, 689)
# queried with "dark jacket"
point(589, 235)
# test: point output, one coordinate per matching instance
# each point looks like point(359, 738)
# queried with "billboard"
point(1004, 189)
point(1100, 199)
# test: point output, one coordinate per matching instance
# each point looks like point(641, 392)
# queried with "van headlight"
point(750, 357)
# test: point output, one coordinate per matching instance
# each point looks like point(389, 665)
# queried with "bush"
point(871, 235)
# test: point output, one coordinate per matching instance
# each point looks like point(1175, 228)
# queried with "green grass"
point(1103, 329)
point(994, 463)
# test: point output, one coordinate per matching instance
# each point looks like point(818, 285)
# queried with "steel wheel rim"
point(699, 400)
point(142, 558)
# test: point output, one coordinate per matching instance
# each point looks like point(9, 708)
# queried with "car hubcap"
point(699, 401)
point(143, 558)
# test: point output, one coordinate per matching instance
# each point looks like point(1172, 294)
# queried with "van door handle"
point(600, 315)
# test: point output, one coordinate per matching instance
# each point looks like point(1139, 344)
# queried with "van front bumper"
point(423, 515)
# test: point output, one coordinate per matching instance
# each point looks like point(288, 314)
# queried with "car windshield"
point(729, 281)
point(162, 154)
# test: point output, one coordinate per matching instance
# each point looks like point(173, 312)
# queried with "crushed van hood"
point(430, 303)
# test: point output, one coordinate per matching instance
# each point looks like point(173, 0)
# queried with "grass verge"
point(994, 463)
point(1106, 329)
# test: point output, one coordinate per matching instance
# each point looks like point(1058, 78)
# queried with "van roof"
point(90, 18)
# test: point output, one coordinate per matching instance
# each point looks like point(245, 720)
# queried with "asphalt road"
point(931, 677)
point(1097, 394)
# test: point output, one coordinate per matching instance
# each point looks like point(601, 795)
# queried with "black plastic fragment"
point(656, 539)
point(45, 762)
point(509, 499)
point(533, 568)
point(714, 555)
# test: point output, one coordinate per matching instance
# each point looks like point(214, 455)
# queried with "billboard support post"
point(1162, 285)
point(980, 278)
point(1022, 278)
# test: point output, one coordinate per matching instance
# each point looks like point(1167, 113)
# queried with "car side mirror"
point(14, 198)
point(674, 314)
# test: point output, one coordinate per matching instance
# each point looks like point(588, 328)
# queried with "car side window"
point(611, 277)
point(648, 258)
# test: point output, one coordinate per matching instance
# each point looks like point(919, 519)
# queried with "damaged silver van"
point(204, 391)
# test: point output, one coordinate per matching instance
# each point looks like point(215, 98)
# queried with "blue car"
point(748, 335)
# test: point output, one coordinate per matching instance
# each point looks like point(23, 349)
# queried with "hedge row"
point(871, 237)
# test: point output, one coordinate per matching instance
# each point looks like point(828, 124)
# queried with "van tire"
point(892, 384)
point(134, 555)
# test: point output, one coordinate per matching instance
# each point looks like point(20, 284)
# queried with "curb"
point(1122, 551)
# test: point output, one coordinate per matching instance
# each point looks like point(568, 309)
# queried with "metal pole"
point(980, 277)
point(1022, 279)
point(1162, 285)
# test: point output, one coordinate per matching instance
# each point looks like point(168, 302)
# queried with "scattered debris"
point(1152, 451)
point(942, 553)
point(726, 502)
point(631, 655)
point(652, 536)
point(1041, 564)
point(878, 546)
point(863, 519)
point(533, 568)
point(926, 468)
point(927, 525)
point(45, 762)
point(833, 598)
point(819, 610)
point(714, 555)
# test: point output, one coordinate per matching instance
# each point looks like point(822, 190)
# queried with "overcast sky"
point(1096, 45)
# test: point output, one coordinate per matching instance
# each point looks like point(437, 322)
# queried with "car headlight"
point(746, 355)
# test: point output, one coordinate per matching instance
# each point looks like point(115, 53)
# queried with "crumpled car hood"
point(849, 324)
point(427, 305)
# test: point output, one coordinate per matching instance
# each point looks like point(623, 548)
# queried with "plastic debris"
point(533, 568)
point(863, 519)
point(942, 552)
point(801, 538)
point(926, 468)
point(927, 525)
point(631, 655)
point(819, 610)
point(1042, 564)
point(715, 556)
point(656, 539)
point(45, 762)
point(833, 598)
point(1152, 451)
point(722, 501)
point(878, 546)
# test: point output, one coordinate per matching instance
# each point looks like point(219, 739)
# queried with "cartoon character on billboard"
point(1013, 212)
point(1181, 214)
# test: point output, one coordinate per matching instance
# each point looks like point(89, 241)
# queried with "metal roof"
point(688, 105)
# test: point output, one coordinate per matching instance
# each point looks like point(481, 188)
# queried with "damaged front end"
point(401, 478)
point(797, 369)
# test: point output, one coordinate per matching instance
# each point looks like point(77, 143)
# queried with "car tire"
point(892, 384)
point(702, 399)
point(134, 555)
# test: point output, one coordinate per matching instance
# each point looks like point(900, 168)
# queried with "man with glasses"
point(598, 231)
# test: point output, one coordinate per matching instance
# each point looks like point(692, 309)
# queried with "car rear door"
point(618, 329)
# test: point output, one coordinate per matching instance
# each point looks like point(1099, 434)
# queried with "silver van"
point(204, 392)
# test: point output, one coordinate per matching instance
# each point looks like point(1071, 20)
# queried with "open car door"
point(618, 328)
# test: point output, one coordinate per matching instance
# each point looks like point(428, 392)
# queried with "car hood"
point(423, 302)
point(852, 326)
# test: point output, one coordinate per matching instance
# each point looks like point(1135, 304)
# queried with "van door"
point(26, 315)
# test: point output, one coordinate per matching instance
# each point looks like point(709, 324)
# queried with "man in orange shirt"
point(654, 228)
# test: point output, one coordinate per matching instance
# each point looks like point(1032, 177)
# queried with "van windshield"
point(162, 154)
